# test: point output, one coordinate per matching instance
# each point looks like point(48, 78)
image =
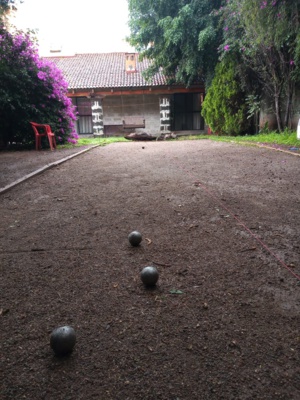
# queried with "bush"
point(224, 108)
point(31, 89)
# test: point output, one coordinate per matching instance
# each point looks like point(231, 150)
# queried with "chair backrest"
point(36, 128)
point(48, 130)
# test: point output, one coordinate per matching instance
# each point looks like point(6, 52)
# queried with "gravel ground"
point(219, 221)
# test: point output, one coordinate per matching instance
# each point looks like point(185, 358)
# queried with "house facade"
point(109, 88)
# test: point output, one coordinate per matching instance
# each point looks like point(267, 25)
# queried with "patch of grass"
point(92, 141)
point(193, 137)
point(101, 141)
point(286, 138)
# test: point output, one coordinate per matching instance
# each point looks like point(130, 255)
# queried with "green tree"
point(224, 107)
point(179, 36)
point(265, 34)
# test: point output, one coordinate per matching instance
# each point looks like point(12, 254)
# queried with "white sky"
point(96, 26)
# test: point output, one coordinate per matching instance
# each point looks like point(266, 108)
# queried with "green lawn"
point(101, 141)
point(286, 138)
point(94, 141)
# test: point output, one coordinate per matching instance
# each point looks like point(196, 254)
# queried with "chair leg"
point(38, 143)
point(52, 141)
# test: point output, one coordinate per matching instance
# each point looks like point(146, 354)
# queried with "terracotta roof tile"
point(104, 70)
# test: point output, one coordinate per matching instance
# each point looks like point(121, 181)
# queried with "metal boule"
point(62, 340)
point(149, 276)
point(135, 238)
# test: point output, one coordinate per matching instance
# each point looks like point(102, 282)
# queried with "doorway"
point(84, 122)
point(186, 115)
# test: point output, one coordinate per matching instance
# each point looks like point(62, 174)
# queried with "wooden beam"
point(134, 91)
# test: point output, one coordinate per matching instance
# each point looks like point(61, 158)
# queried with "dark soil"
point(221, 223)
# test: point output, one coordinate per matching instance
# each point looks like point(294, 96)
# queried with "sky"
point(87, 26)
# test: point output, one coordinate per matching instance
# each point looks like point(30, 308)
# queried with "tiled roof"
point(103, 70)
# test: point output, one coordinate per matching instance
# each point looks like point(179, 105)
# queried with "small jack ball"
point(135, 238)
point(62, 340)
point(149, 276)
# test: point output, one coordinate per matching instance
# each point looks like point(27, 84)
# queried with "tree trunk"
point(289, 103)
point(277, 112)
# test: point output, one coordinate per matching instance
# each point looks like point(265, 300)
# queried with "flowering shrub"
point(31, 89)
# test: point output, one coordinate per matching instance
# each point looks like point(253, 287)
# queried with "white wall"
point(115, 108)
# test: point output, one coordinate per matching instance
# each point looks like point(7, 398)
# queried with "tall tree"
point(266, 35)
point(179, 36)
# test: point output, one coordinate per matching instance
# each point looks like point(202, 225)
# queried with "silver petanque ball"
point(135, 238)
point(149, 276)
point(62, 340)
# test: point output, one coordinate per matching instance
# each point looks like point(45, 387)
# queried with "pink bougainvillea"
point(32, 89)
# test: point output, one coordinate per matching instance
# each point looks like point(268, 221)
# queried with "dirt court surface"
point(221, 223)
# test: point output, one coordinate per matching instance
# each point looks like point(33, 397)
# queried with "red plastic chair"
point(51, 137)
point(41, 130)
point(39, 133)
